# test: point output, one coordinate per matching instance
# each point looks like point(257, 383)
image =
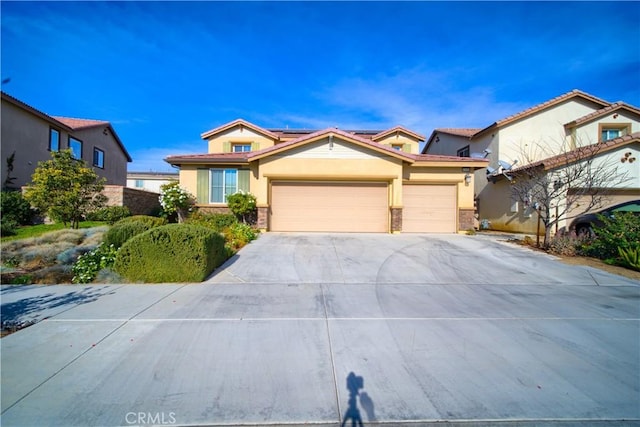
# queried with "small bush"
point(88, 265)
point(8, 227)
point(171, 253)
point(217, 222)
point(110, 214)
point(620, 231)
point(14, 207)
point(238, 235)
point(630, 257)
point(243, 205)
point(567, 244)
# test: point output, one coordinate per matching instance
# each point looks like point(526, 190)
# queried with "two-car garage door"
point(360, 207)
point(329, 206)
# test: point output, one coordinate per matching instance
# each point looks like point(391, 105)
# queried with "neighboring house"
point(333, 180)
point(32, 135)
point(150, 181)
point(560, 126)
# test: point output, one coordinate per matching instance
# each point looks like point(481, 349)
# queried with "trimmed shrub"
point(171, 253)
point(131, 226)
point(153, 221)
point(217, 221)
point(242, 204)
point(110, 214)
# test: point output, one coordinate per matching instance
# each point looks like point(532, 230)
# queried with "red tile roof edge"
point(33, 110)
point(76, 123)
point(603, 111)
point(581, 152)
point(236, 122)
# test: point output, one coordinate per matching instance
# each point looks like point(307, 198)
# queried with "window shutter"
point(255, 146)
point(203, 186)
point(243, 180)
point(406, 148)
point(226, 147)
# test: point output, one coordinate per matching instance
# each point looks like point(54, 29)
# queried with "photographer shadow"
point(354, 385)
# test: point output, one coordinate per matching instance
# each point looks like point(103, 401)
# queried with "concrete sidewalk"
point(273, 337)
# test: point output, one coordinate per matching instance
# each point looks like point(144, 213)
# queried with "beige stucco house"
point(32, 135)
point(333, 180)
point(150, 181)
point(562, 125)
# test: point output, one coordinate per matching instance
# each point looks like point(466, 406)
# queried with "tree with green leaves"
point(65, 188)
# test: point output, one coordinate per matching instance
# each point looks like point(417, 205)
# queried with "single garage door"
point(429, 208)
point(329, 206)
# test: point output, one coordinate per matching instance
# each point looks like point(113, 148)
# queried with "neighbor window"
point(241, 148)
point(463, 152)
point(611, 131)
point(139, 183)
point(76, 148)
point(98, 158)
point(54, 140)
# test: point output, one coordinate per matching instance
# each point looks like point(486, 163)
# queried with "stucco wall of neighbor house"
point(400, 138)
point(139, 202)
point(238, 135)
point(448, 145)
point(28, 136)
point(115, 161)
point(590, 132)
point(545, 129)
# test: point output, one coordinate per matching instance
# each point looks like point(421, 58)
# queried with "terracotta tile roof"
point(208, 158)
point(237, 122)
point(616, 106)
point(75, 124)
point(35, 111)
point(542, 106)
point(467, 132)
point(402, 129)
point(582, 153)
point(441, 158)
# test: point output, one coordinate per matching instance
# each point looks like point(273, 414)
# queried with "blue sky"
point(164, 72)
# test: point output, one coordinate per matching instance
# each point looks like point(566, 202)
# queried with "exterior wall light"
point(467, 179)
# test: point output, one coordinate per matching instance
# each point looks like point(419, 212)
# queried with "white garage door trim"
point(329, 206)
point(429, 208)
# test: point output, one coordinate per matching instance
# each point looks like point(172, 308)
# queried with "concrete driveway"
point(324, 328)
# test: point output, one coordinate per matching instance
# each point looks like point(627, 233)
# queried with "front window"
point(463, 152)
point(76, 148)
point(98, 158)
point(241, 148)
point(224, 182)
point(608, 134)
point(54, 140)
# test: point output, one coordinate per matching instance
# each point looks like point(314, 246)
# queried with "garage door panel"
point(327, 207)
point(429, 208)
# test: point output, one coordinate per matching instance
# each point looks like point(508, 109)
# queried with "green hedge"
point(130, 226)
point(152, 221)
point(171, 253)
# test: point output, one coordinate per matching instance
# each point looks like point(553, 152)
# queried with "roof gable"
point(397, 129)
point(330, 132)
point(239, 123)
point(34, 111)
point(616, 106)
point(544, 106)
point(82, 124)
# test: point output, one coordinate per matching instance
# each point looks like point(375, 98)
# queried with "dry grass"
point(47, 258)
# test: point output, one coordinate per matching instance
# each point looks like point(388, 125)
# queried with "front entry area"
point(329, 206)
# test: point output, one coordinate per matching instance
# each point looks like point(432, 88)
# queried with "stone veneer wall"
point(139, 202)
point(396, 220)
point(466, 219)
